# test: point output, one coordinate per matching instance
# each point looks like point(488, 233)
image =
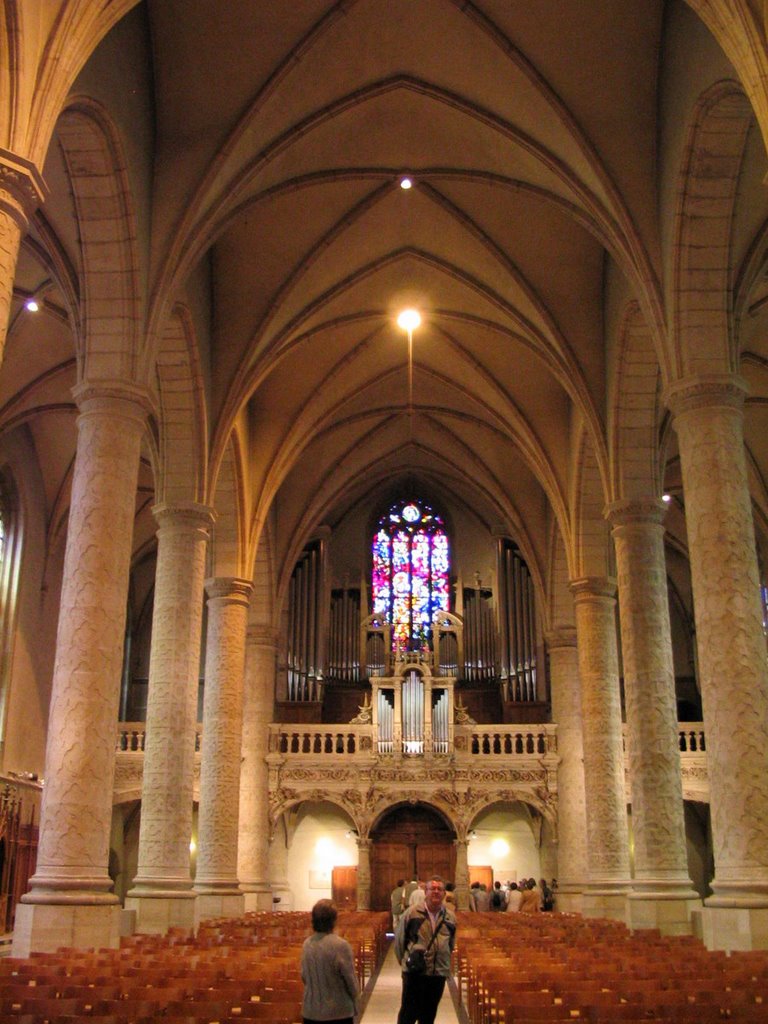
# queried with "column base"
point(605, 902)
point(729, 928)
point(569, 902)
point(670, 914)
point(45, 927)
point(218, 904)
point(257, 899)
point(156, 915)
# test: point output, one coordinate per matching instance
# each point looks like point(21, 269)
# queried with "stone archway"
point(410, 840)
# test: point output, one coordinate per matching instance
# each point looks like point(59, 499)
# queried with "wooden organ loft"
point(486, 655)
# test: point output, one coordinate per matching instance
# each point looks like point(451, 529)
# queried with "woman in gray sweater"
point(331, 992)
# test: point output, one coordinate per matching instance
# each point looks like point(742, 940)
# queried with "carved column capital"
point(717, 389)
point(228, 587)
point(113, 397)
point(184, 513)
point(22, 188)
point(588, 587)
point(636, 511)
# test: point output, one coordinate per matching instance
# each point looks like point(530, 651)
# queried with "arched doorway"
point(410, 841)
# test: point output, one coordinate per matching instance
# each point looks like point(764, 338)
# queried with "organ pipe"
point(519, 631)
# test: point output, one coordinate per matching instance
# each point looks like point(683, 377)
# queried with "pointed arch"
point(183, 413)
point(592, 554)
point(107, 332)
point(702, 321)
point(633, 440)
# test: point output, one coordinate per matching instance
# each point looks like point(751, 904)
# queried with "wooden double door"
point(410, 842)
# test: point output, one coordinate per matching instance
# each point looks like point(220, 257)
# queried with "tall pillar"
point(70, 902)
point(606, 803)
point(565, 689)
point(162, 893)
point(663, 895)
point(278, 870)
point(216, 883)
point(21, 190)
point(364, 874)
point(733, 671)
point(462, 874)
point(258, 704)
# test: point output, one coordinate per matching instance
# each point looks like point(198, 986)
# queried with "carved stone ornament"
point(365, 712)
point(21, 180)
point(461, 713)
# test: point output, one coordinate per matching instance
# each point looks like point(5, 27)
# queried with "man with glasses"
point(431, 929)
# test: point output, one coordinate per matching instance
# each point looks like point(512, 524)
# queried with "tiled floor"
point(384, 1002)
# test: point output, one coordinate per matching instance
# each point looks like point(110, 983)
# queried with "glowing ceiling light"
point(32, 305)
point(406, 183)
point(666, 497)
point(409, 320)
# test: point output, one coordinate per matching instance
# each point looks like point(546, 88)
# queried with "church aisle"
point(384, 1002)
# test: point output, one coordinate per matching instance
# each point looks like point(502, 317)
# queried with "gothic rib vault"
point(205, 202)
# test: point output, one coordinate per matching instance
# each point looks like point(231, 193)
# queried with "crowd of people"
point(525, 896)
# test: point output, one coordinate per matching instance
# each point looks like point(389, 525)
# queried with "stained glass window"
point(410, 572)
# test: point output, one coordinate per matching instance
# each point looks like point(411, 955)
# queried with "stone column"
point(70, 902)
point(278, 870)
point(216, 883)
point(462, 874)
point(733, 671)
point(606, 802)
point(565, 688)
point(363, 874)
point(162, 893)
point(21, 191)
point(663, 895)
point(258, 704)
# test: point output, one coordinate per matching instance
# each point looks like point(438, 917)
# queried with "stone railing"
point(131, 736)
point(692, 738)
point(351, 740)
point(512, 740)
point(321, 740)
point(690, 735)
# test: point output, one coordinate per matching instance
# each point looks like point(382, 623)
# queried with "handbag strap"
point(434, 933)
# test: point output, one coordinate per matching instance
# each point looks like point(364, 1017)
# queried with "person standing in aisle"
point(424, 941)
point(397, 901)
point(331, 993)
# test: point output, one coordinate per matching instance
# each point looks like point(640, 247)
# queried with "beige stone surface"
point(731, 643)
point(606, 824)
point(222, 742)
point(572, 861)
point(661, 867)
point(169, 753)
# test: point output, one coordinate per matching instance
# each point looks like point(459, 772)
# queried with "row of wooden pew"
point(245, 969)
point(513, 969)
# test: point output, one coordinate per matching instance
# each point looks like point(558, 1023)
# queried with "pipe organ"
point(479, 636)
point(305, 645)
point(413, 712)
point(517, 625)
point(491, 640)
point(344, 636)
